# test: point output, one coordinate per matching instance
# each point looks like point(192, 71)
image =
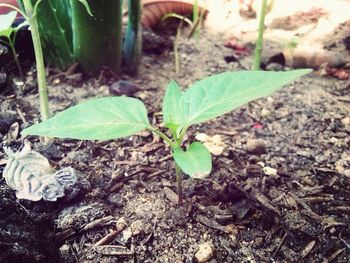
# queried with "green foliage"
point(6, 22)
point(116, 117)
point(9, 33)
point(195, 161)
point(97, 119)
point(219, 94)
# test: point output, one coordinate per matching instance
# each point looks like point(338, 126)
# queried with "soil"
point(280, 191)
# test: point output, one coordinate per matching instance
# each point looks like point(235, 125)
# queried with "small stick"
point(120, 226)
point(280, 244)
point(179, 183)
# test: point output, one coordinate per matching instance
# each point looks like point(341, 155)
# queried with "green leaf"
point(97, 119)
point(87, 7)
point(6, 22)
point(222, 93)
point(196, 161)
point(172, 113)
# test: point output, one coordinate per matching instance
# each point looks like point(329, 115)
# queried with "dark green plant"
point(116, 117)
point(97, 38)
point(133, 37)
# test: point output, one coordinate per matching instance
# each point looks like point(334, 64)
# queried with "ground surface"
point(295, 209)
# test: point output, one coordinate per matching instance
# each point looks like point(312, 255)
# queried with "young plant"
point(177, 37)
point(10, 33)
point(259, 41)
point(29, 15)
point(116, 117)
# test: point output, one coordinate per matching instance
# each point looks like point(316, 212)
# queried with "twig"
point(280, 244)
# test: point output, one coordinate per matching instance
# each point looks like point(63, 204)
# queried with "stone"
point(205, 252)
point(256, 146)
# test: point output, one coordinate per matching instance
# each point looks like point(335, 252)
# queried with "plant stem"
point(259, 42)
point(195, 20)
point(15, 57)
point(40, 67)
point(176, 47)
point(163, 136)
point(179, 183)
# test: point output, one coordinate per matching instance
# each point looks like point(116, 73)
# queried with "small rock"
point(205, 252)
point(274, 67)
point(123, 87)
point(265, 112)
point(256, 146)
point(270, 171)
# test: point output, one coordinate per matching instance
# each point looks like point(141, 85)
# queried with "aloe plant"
point(116, 117)
point(133, 37)
point(97, 38)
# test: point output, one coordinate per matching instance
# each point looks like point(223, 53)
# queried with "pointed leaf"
point(97, 119)
point(222, 93)
point(172, 113)
point(6, 22)
point(87, 7)
point(196, 161)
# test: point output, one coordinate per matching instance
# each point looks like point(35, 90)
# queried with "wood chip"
point(112, 250)
point(97, 223)
point(307, 249)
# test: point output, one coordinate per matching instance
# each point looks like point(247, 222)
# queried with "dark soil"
point(288, 203)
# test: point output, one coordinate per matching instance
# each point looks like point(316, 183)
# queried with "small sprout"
point(116, 117)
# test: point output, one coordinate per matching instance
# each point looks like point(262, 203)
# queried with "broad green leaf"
point(6, 22)
point(172, 113)
point(196, 161)
point(222, 93)
point(97, 119)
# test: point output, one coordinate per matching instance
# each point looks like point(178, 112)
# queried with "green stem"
point(179, 183)
point(40, 67)
point(15, 57)
point(163, 136)
point(176, 47)
point(195, 20)
point(259, 42)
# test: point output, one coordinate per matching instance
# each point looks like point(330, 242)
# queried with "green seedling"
point(29, 15)
point(116, 117)
point(177, 37)
point(9, 34)
point(260, 39)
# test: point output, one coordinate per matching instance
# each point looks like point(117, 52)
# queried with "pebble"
point(123, 87)
point(256, 146)
point(205, 253)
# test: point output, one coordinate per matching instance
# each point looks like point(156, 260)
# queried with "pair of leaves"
point(219, 94)
point(116, 117)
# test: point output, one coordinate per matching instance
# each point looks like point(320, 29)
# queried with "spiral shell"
point(32, 177)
